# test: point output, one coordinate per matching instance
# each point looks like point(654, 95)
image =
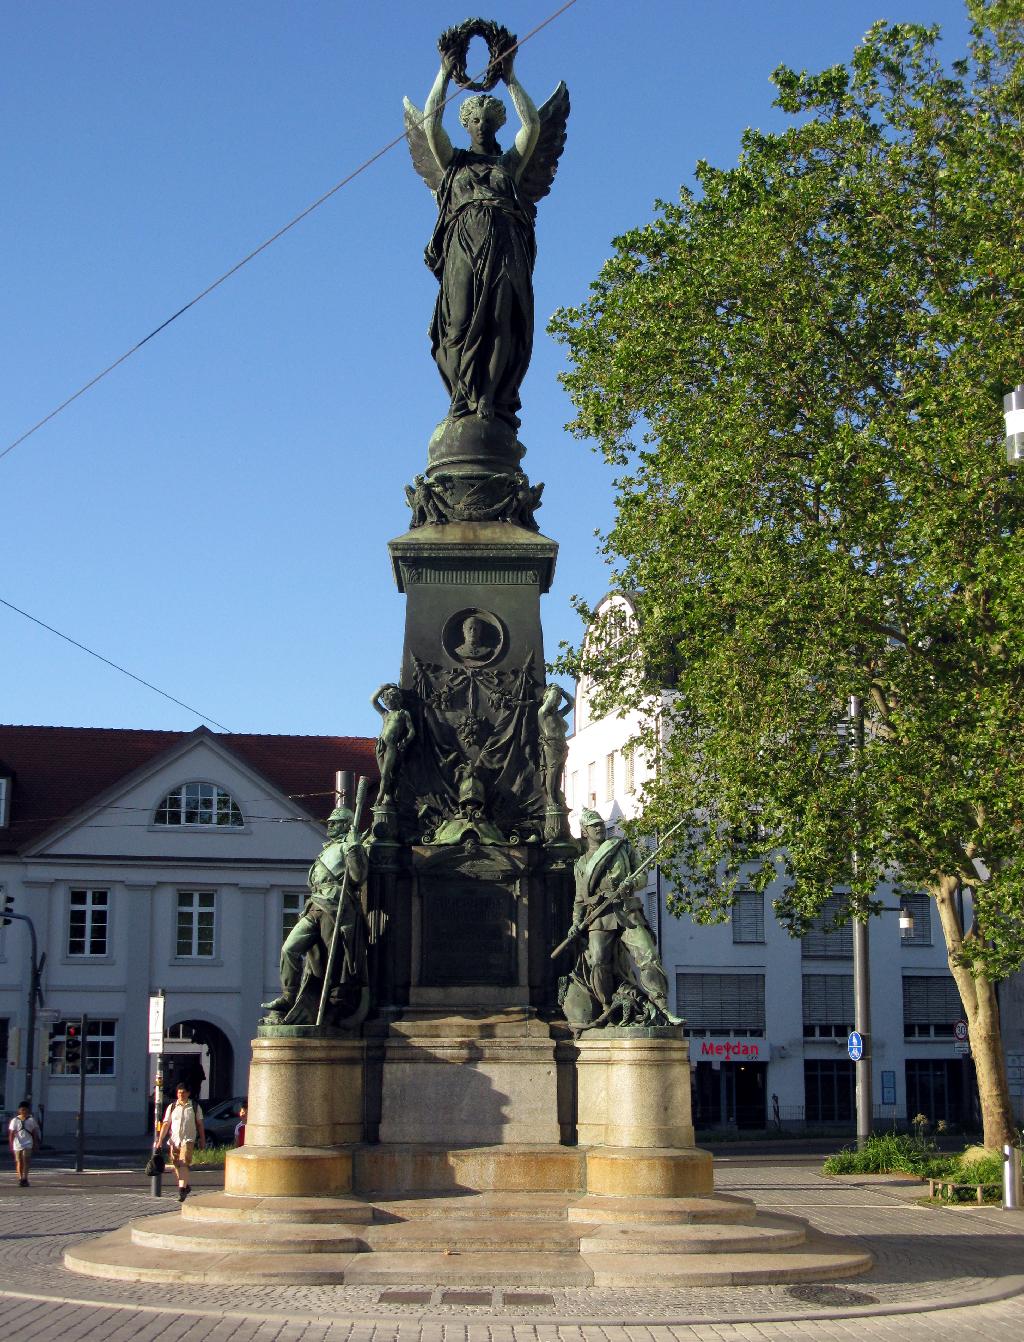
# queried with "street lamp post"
point(862, 965)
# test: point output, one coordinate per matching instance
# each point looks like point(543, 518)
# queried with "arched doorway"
point(200, 1054)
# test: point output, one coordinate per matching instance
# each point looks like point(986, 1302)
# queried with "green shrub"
point(885, 1153)
point(899, 1153)
point(210, 1158)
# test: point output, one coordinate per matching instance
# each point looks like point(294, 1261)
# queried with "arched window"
point(199, 804)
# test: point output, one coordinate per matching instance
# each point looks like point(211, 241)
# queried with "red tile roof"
point(56, 770)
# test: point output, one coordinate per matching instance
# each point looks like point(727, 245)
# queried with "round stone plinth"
point(288, 1171)
point(649, 1172)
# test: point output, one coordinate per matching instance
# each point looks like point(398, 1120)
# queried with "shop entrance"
point(732, 1095)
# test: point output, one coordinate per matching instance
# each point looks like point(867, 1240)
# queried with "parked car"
point(220, 1120)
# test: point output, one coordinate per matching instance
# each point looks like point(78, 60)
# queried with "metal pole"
point(1011, 1178)
point(35, 997)
point(156, 1180)
point(80, 1127)
point(861, 969)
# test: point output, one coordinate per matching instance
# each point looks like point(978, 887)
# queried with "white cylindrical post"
point(1012, 1197)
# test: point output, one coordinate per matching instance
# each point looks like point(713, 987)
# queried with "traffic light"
point(5, 921)
point(72, 1046)
point(56, 1053)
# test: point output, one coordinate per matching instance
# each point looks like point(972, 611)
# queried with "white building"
point(151, 860)
point(768, 1015)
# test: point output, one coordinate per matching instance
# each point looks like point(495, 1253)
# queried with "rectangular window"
point(828, 1005)
point(100, 1049)
point(721, 1003)
point(609, 776)
point(629, 761)
point(826, 940)
point(828, 1090)
point(291, 906)
point(748, 917)
point(591, 784)
point(574, 788)
point(931, 1006)
point(5, 802)
point(920, 908)
point(195, 924)
point(87, 922)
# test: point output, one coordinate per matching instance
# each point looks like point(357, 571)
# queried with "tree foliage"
point(799, 370)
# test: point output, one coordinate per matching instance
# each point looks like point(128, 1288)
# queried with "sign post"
point(156, 1047)
point(80, 1131)
point(855, 1046)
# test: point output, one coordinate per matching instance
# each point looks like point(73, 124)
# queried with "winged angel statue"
point(483, 245)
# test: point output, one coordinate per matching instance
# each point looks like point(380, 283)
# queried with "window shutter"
point(721, 1001)
point(828, 999)
point(930, 999)
point(826, 941)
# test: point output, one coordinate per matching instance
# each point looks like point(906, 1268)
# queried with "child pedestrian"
point(183, 1124)
point(23, 1137)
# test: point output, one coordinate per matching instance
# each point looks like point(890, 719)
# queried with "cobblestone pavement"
point(949, 1270)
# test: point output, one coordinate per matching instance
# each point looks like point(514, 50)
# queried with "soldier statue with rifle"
point(618, 973)
point(323, 959)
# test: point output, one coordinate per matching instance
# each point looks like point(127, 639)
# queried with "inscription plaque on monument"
point(469, 933)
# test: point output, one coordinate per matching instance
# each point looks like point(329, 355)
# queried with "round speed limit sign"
point(960, 1031)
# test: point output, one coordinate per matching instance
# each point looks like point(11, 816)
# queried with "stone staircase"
point(469, 1239)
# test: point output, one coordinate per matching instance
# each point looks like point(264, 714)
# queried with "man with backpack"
point(183, 1124)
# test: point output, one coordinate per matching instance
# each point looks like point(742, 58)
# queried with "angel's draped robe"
point(482, 251)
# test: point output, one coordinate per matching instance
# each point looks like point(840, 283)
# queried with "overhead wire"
point(233, 270)
point(106, 660)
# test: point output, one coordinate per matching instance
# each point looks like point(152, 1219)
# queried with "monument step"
point(476, 1236)
point(173, 1232)
point(483, 1206)
point(396, 1169)
point(228, 1207)
point(721, 1208)
point(115, 1257)
point(498, 1268)
point(451, 1235)
point(818, 1259)
point(768, 1234)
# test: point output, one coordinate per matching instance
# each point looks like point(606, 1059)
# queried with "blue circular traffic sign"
point(855, 1046)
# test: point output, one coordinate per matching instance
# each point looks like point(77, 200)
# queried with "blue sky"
point(215, 514)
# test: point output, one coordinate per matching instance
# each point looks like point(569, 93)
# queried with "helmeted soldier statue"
point(620, 966)
point(335, 879)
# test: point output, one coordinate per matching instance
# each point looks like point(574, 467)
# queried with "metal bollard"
point(1012, 1195)
point(156, 1184)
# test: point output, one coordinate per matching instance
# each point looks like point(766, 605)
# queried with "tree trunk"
point(978, 994)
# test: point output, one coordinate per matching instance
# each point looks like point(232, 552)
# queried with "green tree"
point(799, 370)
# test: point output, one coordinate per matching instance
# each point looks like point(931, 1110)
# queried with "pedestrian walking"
point(23, 1136)
point(183, 1125)
point(240, 1127)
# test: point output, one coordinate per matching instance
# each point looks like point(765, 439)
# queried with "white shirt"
point(182, 1118)
point(22, 1131)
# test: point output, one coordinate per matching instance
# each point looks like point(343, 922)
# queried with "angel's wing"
point(422, 159)
point(542, 164)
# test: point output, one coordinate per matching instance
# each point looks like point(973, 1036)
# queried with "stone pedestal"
point(633, 1088)
point(305, 1106)
point(474, 1079)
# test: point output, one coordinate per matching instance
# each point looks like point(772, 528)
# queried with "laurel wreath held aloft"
point(454, 43)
